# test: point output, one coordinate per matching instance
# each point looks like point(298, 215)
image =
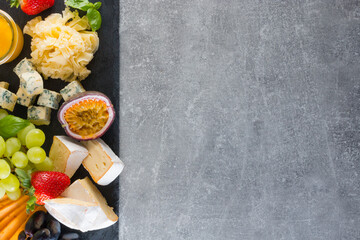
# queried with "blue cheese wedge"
point(24, 99)
point(49, 99)
point(39, 115)
point(7, 99)
point(24, 66)
point(4, 85)
point(31, 83)
point(71, 90)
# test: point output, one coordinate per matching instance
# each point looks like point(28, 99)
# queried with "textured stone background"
point(240, 119)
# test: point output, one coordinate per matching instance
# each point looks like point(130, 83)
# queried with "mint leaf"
point(11, 125)
point(94, 18)
point(97, 5)
point(92, 13)
point(83, 5)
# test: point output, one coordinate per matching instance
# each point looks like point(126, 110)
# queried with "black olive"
point(55, 228)
point(70, 236)
point(22, 236)
point(42, 234)
point(35, 222)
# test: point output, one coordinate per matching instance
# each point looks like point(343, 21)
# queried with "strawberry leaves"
point(14, 3)
point(91, 9)
point(31, 203)
point(25, 180)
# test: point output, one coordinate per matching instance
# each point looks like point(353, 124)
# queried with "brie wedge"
point(67, 155)
point(82, 207)
point(102, 163)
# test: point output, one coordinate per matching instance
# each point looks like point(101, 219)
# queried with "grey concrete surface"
point(240, 119)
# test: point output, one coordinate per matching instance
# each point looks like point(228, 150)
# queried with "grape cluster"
point(23, 151)
point(42, 226)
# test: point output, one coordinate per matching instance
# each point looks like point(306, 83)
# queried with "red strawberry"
point(32, 7)
point(48, 185)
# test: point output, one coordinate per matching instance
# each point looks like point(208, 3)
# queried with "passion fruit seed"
point(87, 117)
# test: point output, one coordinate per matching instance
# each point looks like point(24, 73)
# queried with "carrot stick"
point(15, 204)
point(15, 236)
point(5, 203)
point(11, 216)
point(11, 228)
point(4, 198)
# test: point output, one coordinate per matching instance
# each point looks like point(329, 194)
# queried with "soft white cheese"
point(67, 154)
point(82, 207)
point(102, 163)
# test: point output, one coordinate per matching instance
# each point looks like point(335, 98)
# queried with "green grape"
point(19, 159)
point(9, 162)
point(36, 155)
point(4, 169)
point(35, 138)
point(2, 191)
point(11, 183)
point(2, 146)
point(12, 145)
point(46, 165)
point(14, 195)
point(3, 113)
point(23, 132)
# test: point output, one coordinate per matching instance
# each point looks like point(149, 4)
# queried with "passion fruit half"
point(87, 115)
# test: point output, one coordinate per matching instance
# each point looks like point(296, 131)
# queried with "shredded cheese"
point(62, 45)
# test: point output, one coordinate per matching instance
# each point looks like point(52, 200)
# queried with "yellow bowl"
point(11, 38)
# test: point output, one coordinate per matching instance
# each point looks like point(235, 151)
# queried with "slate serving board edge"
point(104, 78)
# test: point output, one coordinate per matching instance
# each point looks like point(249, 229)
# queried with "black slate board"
point(104, 78)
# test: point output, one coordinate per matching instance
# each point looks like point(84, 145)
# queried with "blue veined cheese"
point(49, 99)
point(24, 66)
point(71, 90)
point(7, 99)
point(24, 99)
point(31, 83)
point(39, 115)
point(4, 85)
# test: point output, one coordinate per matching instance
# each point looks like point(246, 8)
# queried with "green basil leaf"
point(11, 125)
point(94, 18)
point(97, 5)
point(83, 5)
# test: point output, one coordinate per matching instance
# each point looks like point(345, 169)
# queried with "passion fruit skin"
point(83, 96)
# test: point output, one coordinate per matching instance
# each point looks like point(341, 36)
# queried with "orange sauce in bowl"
point(6, 36)
point(11, 38)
